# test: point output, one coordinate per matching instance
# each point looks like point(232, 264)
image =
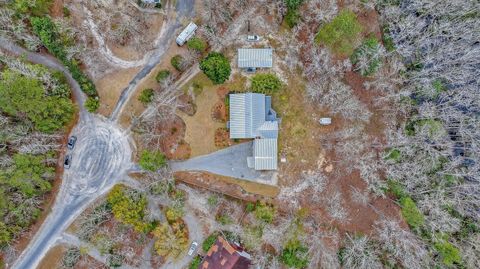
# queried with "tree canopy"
point(21, 96)
point(216, 67)
point(169, 243)
point(129, 207)
point(341, 33)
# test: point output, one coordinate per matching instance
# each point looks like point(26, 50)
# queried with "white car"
point(253, 38)
point(193, 248)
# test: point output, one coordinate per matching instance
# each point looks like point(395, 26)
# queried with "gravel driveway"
point(230, 162)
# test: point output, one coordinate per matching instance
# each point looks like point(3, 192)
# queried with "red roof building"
point(223, 255)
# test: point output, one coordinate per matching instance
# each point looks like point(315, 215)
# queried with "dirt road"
point(100, 159)
point(185, 9)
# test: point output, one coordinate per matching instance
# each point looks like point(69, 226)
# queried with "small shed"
point(186, 34)
point(149, 3)
point(255, 58)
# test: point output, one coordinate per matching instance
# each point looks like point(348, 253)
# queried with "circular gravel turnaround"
point(101, 152)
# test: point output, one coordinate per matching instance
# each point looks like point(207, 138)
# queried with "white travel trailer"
point(186, 34)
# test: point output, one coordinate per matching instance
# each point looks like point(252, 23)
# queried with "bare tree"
point(401, 244)
point(360, 253)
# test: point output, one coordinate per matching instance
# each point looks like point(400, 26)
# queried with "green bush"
point(341, 33)
point(394, 155)
point(449, 253)
point(264, 212)
point(294, 254)
point(35, 8)
point(216, 67)
point(197, 44)
point(146, 96)
point(177, 62)
point(292, 17)
point(47, 31)
point(396, 189)
point(152, 160)
point(162, 75)
point(410, 212)
point(66, 12)
point(439, 86)
point(209, 241)
point(366, 58)
point(195, 263)
point(92, 104)
point(224, 219)
point(212, 200)
point(265, 83)
point(387, 40)
point(250, 207)
point(5, 235)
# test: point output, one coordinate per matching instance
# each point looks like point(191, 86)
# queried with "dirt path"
point(167, 34)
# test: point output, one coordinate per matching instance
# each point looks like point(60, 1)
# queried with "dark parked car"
point(71, 142)
point(68, 161)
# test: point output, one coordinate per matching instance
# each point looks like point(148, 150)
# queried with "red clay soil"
point(89, 264)
point(208, 181)
point(187, 105)
point(57, 9)
point(219, 112)
point(222, 93)
point(355, 81)
point(369, 20)
point(222, 138)
point(172, 143)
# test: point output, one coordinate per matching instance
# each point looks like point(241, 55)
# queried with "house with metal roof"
point(251, 58)
point(252, 116)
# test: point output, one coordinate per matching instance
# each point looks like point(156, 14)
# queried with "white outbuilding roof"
point(255, 58)
point(265, 154)
point(186, 34)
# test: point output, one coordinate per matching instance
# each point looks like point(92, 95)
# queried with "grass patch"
point(411, 213)
point(449, 253)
